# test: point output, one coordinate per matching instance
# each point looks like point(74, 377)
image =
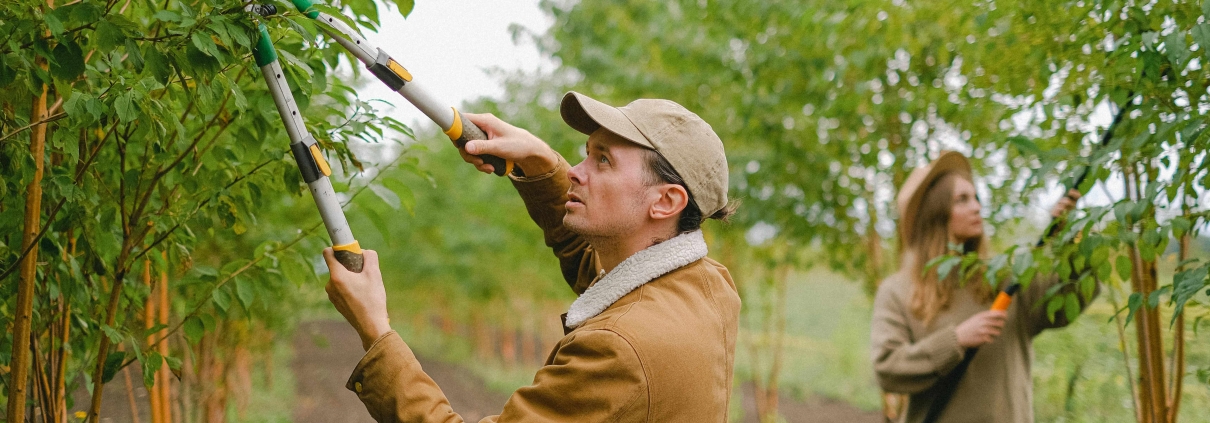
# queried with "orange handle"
point(1005, 298)
point(1002, 302)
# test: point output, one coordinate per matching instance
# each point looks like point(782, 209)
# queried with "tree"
point(159, 138)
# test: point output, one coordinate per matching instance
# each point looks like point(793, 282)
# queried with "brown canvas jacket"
point(662, 352)
point(911, 357)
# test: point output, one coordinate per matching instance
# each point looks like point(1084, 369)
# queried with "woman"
point(924, 326)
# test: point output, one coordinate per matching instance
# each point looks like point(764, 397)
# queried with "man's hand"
point(1065, 204)
point(508, 142)
point(360, 297)
point(981, 328)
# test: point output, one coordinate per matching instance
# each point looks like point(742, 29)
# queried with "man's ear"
point(672, 199)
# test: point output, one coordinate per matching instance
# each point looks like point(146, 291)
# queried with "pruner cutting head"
point(262, 9)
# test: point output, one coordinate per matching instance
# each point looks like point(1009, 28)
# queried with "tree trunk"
point(22, 320)
point(111, 315)
point(1152, 396)
point(508, 347)
point(153, 392)
point(163, 376)
point(1177, 374)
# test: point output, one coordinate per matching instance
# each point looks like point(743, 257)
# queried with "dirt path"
point(325, 352)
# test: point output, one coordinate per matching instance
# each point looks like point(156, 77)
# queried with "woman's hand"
point(360, 297)
point(508, 142)
point(1065, 204)
point(981, 328)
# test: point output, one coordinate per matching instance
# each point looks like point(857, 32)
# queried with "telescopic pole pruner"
point(310, 159)
point(458, 128)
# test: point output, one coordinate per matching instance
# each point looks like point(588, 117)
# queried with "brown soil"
point(327, 351)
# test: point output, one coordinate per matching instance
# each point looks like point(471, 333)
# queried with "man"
point(651, 337)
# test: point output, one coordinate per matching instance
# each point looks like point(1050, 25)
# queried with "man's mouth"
point(573, 198)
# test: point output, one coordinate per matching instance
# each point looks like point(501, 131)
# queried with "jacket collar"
point(638, 269)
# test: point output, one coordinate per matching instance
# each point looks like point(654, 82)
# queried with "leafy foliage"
point(164, 140)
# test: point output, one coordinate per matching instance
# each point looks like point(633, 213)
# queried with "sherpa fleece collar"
point(640, 268)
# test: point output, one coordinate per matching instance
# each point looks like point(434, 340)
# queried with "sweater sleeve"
point(1033, 302)
point(904, 365)
point(393, 387)
point(545, 198)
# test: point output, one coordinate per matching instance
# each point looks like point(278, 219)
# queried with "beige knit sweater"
point(910, 357)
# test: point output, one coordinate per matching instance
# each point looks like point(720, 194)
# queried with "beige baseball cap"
point(679, 135)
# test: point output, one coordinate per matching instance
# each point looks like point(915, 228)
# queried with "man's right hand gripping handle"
point(510, 143)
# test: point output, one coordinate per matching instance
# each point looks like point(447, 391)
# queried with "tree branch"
point(48, 119)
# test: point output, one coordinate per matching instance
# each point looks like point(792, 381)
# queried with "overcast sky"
point(449, 44)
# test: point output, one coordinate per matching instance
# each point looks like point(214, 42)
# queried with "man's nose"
point(576, 175)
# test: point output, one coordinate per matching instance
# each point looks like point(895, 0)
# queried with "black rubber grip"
point(306, 162)
point(384, 73)
point(472, 132)
point(350, 260)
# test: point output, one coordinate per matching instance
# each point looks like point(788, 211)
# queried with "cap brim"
point(585, 114)
point(950, 161)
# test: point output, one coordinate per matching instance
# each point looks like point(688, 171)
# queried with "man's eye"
point(603, 159)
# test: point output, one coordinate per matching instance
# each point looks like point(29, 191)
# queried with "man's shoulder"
point(690, 302)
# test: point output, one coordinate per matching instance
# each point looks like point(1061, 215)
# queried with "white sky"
point(448, 45)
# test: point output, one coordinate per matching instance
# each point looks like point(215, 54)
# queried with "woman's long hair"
point(930, 239)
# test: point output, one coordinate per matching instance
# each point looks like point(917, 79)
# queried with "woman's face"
point(965, 220)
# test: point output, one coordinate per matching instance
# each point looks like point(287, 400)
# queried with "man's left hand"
point(360, 297)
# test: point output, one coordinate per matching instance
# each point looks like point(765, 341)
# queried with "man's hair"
point(659, 171)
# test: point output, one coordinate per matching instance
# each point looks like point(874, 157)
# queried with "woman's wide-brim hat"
point(911, 193)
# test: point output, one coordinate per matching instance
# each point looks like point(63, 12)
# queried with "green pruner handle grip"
point(303, 5)
point(463, 130)
point(349, 256)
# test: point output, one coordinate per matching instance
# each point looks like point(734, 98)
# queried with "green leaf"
point(1135, 301)
point(127, 110)
point(221, 299)
point(108, 36)
point(1180, 226)
point(112, 363)
point(54, 24)
point(245, 291)
point(114, 336)
point(386, 195)
point(1071, 307)
point(205, 44)
point(1174, 45)
point(405, 6)
point(194, 329)
point(167, 16)
point(134, 55)
point(151, 365)
point(406, 197)
point(1053, 305)
point(156, 63)
point(1201, 36)
point(68, 63)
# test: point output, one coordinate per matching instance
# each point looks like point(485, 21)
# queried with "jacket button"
point(357, 387)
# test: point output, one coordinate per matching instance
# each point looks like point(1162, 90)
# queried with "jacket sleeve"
point(393, 387)
point(594, 377)
point(545, 197)
point(1033, 302)
point(904, 366)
